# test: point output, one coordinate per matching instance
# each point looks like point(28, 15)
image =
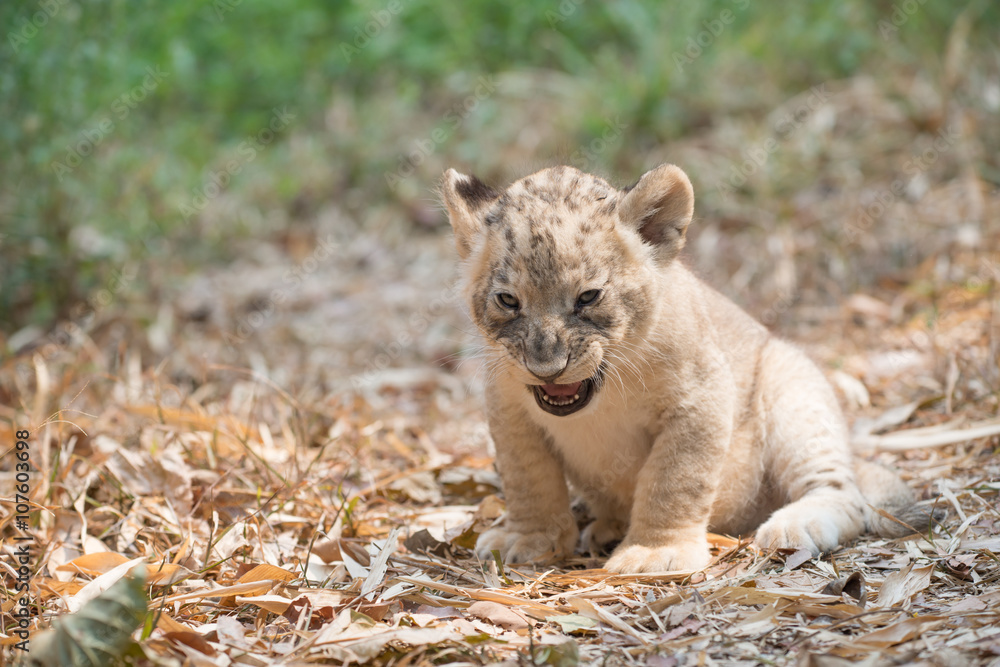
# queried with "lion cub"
point(666, 407)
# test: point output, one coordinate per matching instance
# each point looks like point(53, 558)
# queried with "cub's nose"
point(548, 370)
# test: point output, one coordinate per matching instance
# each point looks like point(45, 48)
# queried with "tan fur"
point(700, 420)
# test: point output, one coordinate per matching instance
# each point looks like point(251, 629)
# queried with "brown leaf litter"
point(309, 493)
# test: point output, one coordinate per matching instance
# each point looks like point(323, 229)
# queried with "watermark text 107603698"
point(22, 555)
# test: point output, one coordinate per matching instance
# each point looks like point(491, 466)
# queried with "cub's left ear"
point(659, 207)
point(466, 198)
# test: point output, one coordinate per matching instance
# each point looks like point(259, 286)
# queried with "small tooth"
point(576, 397)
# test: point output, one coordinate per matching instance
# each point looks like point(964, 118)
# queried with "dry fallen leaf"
point(264, 572)
point(798, 558)
point(899, 587)
point(499, 615)
point(853, 586)
point(353, 408)
point(276, 604)
point(897, 633)
point(94, 564)
point(573, 622)
point(101, 584)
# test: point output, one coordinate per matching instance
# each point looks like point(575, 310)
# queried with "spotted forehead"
point(553, 223)
point(551, 195)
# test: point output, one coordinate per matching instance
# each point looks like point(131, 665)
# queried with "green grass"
point(361, 101)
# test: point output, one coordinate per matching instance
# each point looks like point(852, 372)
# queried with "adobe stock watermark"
point(27, 27)
point(901, 13)
point(418, 323)
point(704, 39)
point(223, 7)
point(423, 148)
point(217, 180)
point(918, 164)
point(780, 306)
point(291, 281)
point(566, 9)
point(363, 35)
point(755, 157)
point(584, 158)
point(989, 272)
point(120, 108)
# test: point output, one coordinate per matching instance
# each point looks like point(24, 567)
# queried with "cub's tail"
point(885, 491)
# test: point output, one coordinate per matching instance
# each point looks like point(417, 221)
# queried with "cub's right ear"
point(466, 198)
point(659, 207)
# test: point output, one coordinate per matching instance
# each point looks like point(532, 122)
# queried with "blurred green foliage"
point(160, 96)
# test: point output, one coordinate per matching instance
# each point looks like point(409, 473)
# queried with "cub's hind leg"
point(608, 528)
point(808, 456)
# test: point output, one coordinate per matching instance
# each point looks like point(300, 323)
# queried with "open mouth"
point(563, 399)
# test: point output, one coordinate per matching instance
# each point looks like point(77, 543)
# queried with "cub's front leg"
point(674, 495)
point(539, 525)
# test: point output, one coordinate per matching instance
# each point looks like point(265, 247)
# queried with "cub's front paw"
point(637, 558)
point(528, 547)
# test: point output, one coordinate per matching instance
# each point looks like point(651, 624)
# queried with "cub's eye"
point(587, 297)
point(508, 301)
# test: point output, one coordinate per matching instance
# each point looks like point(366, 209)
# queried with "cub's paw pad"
point(602, 536)
point(532, 547)
point(636, 558)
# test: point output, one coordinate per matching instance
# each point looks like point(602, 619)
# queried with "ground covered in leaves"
point(294, 448)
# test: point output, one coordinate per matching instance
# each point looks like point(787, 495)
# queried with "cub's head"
point(561, 272)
